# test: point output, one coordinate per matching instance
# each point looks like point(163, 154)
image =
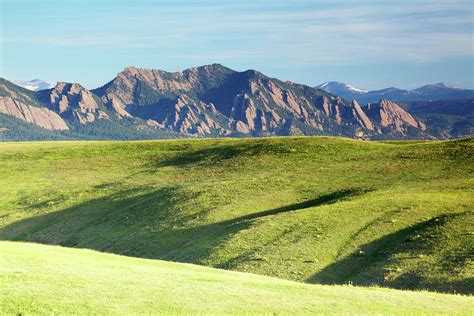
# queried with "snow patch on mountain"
point(334, 87)
point(352, 88)
point(34, 85)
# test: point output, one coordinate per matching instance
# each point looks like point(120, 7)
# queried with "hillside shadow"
point(219, 153)
point(147, 224)
point(319, 201)
point(86, 223)
point(209, 155)
point(367, 268)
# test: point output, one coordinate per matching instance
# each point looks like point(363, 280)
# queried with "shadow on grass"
point(370, 266)
point(143, 223)
point(322, 200)
point(219, 153)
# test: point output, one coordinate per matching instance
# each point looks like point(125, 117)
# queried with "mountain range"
point(206, 101)
point(434, 92)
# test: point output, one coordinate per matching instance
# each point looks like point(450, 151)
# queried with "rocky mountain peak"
point(73, 100)
point(212, 68)
point(68, 88)
point(146, 72)
point(254, 74)
point(361, 117)
point(391, 115)
point(14, 102)
point(129, 68)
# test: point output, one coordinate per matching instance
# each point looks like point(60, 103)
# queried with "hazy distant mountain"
point(438, 91)
point(445, 118)
point(34, 85)
point(207, 101)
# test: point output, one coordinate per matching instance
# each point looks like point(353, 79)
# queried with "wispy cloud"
point(79, 41)
point(333, 31)
point(297, 33)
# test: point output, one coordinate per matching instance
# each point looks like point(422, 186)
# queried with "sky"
point(369, 44)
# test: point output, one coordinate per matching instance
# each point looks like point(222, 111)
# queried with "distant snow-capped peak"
point(333, 86)
point(355, 89)
point(34, 85)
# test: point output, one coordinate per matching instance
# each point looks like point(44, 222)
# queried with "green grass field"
point(84, 282)
point(311, 209)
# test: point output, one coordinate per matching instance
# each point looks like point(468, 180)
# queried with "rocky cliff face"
point(215, 100)
point(42, 117)
point(72, 101)
point(389, 115)
point(20, 103)
point(138, 87)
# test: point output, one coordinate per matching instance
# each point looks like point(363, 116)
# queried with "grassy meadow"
point(310, 209)
point(84, 282)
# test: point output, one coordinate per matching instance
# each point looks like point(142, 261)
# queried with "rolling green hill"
point(84, 282)
point(317, 210)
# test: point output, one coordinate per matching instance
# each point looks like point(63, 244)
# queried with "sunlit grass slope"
point(318, 210)
point(42, 280)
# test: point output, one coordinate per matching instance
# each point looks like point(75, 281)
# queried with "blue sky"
point(370, 44)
